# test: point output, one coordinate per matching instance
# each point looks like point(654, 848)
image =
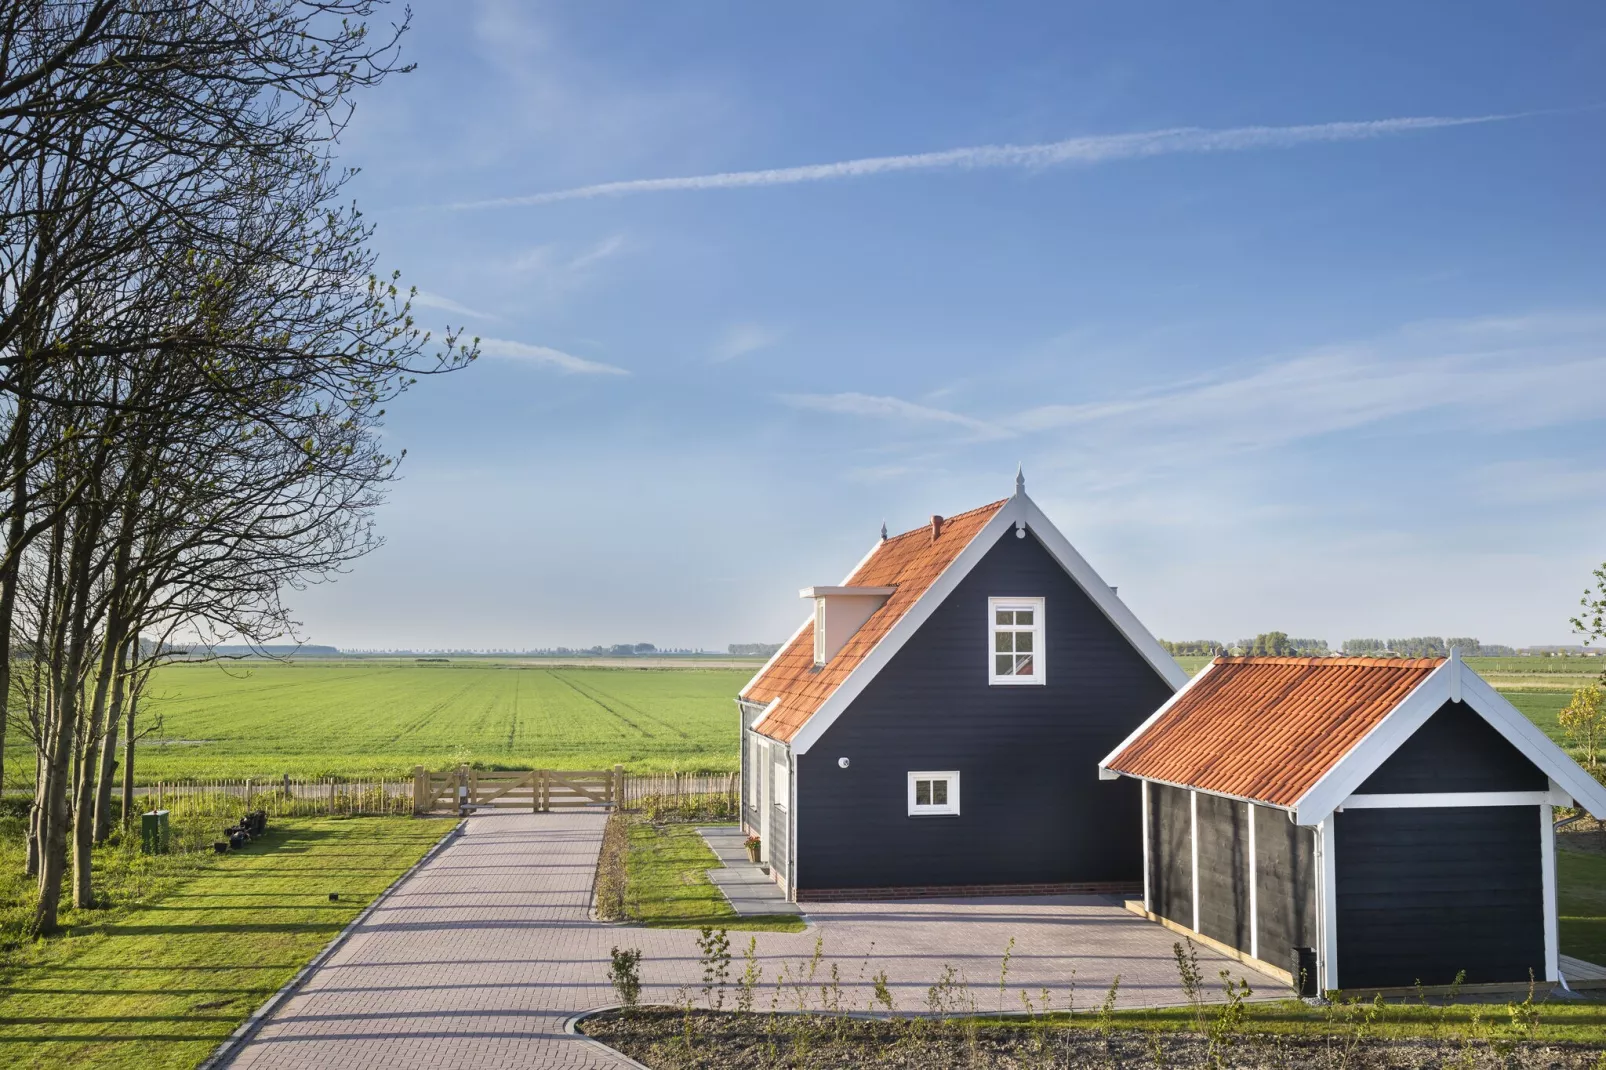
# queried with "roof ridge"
point(924, 528)
point(1349, 660)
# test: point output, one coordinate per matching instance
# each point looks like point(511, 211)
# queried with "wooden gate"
point(532, 789)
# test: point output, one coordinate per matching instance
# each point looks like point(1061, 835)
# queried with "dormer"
point(838, 613)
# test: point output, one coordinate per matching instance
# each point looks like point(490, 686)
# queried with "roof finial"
point(883, 531)
point(1020, 479)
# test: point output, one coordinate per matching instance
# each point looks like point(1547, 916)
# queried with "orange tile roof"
point(1269, 728)
point(911, 562)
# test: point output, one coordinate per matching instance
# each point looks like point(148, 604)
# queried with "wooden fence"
point(536, 790)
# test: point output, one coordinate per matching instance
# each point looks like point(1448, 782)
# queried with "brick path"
point(477, 959)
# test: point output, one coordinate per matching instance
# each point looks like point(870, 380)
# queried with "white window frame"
point(783, 779)
point(1038, 630)
point(950, 808)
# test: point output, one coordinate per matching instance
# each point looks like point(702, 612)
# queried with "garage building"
point(1392, 815)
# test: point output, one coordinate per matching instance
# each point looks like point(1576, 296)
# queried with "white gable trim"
point(1450, 678)
point(1019, 509)
point(1125, 621)
point(1105, 772)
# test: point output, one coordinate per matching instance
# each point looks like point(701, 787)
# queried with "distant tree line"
point(1426, 646)
point(1266, 644)
point(754, 650)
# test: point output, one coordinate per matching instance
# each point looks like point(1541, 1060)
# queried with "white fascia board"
point(901, 632)
point(825, 592)
point(1387, 735)
point(1374, 748)
point(759, 720)
point(1123, 618)
point(1415, 800)
point(1202, 791)
point(1105, 772)
point(1539, 748)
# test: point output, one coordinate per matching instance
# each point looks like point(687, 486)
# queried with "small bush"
point(611, 868)
point(624, 972)
point(716, 806)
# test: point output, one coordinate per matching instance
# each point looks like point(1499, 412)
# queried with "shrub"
point(611, 868)
point(624, 972)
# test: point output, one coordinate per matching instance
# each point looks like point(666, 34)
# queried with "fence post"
point(420, 789)
point(473, 786)
point(331, 796)
point(287, 786)
point(618, 786)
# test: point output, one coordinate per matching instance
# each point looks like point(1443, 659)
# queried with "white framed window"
point(934, 793)
point(783, 781)
point(755, 766)
point(819, 631)
point(1015, 653)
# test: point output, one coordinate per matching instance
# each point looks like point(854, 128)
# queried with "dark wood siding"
point(1171, 848)
point(1033, 807)
point(1223, 831)
point(1285, 886)
point(1455, 750)
point(1425, 892)
point(750, 713)
point(780, 827)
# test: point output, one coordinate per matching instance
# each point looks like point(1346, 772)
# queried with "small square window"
point(1017, 646)
point(933, 793)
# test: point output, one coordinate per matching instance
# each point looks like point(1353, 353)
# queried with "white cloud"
point(741, 339)
point(425, 299)
point(1080, 150)
point(545, 355)
point(855, 404)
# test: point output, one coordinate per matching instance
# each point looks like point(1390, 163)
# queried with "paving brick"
point(482, 954)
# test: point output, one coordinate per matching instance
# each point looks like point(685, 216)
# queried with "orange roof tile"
point(911, 562)
point(1269, 728)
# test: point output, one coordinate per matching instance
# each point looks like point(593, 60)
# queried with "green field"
point(380, 718)
point(358, 718)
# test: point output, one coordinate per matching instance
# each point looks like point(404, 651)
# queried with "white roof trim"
point(1105, 772)
point(1022, 509)
point(1363, 759)
point(854, 592)
point(769, 709)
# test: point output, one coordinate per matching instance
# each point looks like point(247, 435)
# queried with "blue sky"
point(1294, 315)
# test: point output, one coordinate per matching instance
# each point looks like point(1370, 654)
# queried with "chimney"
point(936, 526)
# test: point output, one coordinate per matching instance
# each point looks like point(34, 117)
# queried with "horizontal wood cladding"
point(1223, 831)
point(1171, 848)
point(1425, 892)
point(1455, 750)
point(1285, 886)
point(1033, 810)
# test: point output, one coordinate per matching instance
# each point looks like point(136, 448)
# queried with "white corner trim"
point(1105, 772)
point(1547, 860)
point(1329, 904)
point(1254, 887)
point(1100, 592)
point(905, 628)
point(1445, 798)
point(1193, 846)
point(1148, 861)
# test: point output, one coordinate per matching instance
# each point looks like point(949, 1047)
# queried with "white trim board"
point(1020, 509)
point(1385, 737)
point(1446, 798)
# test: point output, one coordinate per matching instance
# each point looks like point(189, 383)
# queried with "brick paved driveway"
point(476, 959)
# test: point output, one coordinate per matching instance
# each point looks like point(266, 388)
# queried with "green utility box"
point(154, 835)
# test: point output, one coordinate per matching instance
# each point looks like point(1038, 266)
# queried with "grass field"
point(317, 718)
point(668, 885)
point(158, 983)
point(368, 717)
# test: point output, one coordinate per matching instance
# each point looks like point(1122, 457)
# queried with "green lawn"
point(358, 718)
point(668, 887)
point(1581, 904)
point(160, 982)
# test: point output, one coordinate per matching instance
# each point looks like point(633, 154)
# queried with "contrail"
point(1078, 150)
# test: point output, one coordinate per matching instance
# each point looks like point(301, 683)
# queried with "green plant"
point(881, 993)
point(1107, 1009)
point(1525, 1015)
point(1229, 1020)
point(1192, 980)
point(1003, 972)
point(714, 952)
point(624, 973)
point(752, 976)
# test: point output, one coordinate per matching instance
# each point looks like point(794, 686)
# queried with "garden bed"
point(1349, 1037)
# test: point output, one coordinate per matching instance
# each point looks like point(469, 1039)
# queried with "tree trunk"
point(8, 576)
point(108, 751)
point(83, 826)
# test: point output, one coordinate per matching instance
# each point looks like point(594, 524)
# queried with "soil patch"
point(669, 1039)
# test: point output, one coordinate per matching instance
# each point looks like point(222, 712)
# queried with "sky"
point(1294, 316)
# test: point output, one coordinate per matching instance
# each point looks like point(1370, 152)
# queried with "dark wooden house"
point(1394, 816)
point(935, 725)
